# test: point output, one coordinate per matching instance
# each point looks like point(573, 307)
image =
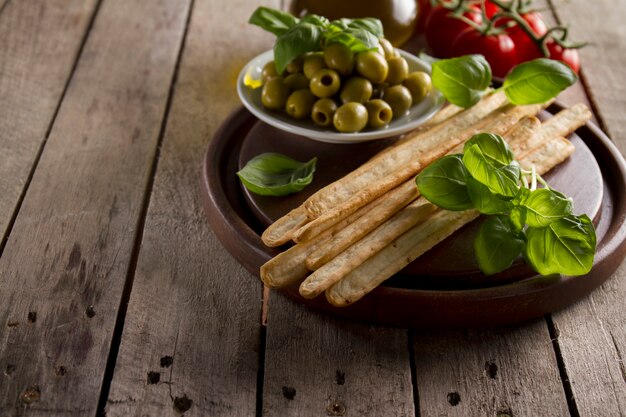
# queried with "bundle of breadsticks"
point(360, 230)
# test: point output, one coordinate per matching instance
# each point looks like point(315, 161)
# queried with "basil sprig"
point(536, 223)
point(274, 174)
point(295, 37)
point(464, 80)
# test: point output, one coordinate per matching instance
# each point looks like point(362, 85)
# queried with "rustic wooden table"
point(116, 297)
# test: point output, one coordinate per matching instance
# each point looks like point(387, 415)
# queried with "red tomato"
point(499, 50)
point(490, 9)
point(442, 28)
point(424, 8)
point(569, 56)
point(526, 48)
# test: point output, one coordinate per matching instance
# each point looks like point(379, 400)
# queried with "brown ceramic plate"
point(444, 286)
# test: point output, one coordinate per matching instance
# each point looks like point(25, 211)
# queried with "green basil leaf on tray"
point(537, 81)
point(502, 180)
point(543, 206)
point(370, 24)
point(274, 174)
point(484, 200)
point(444, 183)
point(494, 148)
point(301, 38)
point(462, 81)
point(566, 246)
point(497, 245)
point(273, 20)
point(358, 40)
point(316, 20)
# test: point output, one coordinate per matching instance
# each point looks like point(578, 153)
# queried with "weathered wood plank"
point(191, 301)
point(501, 372)
point(65, 265)
point(39, 42)
point(317, 365)
point(592, 333)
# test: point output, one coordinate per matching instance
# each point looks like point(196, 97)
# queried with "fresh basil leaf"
point(484, 200)
point(273, 20)
point(497, 245)
point(517, 216)
point(303, 37)
point(443, 183)
point(276, 175)
point(462, 81)
point(543, 206)
point(502, 180)
point(494, 148)
point(358, 40)
point(370, 24)
point(316, 20)
point(565, 246)
point(537, 81)
point(339, 24)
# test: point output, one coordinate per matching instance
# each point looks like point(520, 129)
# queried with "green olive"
point(300, 103)
point(274, 94)
point(323, 111)
point(379, 113)
point(357, 89)
point(269, 71)
point(296, 81)
point(388, 48)
point(313, 63)
point(339, 57)
point(419, 85)
point(325, 83)
point(399, 99)
point(350, 117)
point(398, 70)
point(295, 66)
point(372, 66)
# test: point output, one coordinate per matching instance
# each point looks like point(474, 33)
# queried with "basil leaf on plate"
point(301, 38)
point(462, 81)
point(497, 245)
point(443, 183)
point(370, 24)
point(274, 174)
point(502, 180)
point(543, 206)
point(316, 20)
point(494, 148)
point(358, 40)
point(272, 20)
point(484, 200)
point(565, 246)
point(537, 81)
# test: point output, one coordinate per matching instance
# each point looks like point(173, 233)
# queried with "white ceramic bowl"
point(417, 115)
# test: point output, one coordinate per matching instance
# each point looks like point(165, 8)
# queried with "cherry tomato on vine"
point(498, 49)
point(569, 56)
point(442, 28)
point(526, 47)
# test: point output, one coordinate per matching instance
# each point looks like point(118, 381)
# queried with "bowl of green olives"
point(336, 96)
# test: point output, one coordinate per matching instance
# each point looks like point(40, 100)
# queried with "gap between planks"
point(31, 173)
point(118, 329)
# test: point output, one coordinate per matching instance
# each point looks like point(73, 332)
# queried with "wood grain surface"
point(318, 365)
point(39, 43)
point(116, 297)
point(64, 267)
point(592, 333)
point(190, 301)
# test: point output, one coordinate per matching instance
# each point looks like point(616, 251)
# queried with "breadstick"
point(498, 122)
point(281, 231)
point(412, 244)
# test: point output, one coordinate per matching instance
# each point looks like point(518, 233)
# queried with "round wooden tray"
point(437, 289)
